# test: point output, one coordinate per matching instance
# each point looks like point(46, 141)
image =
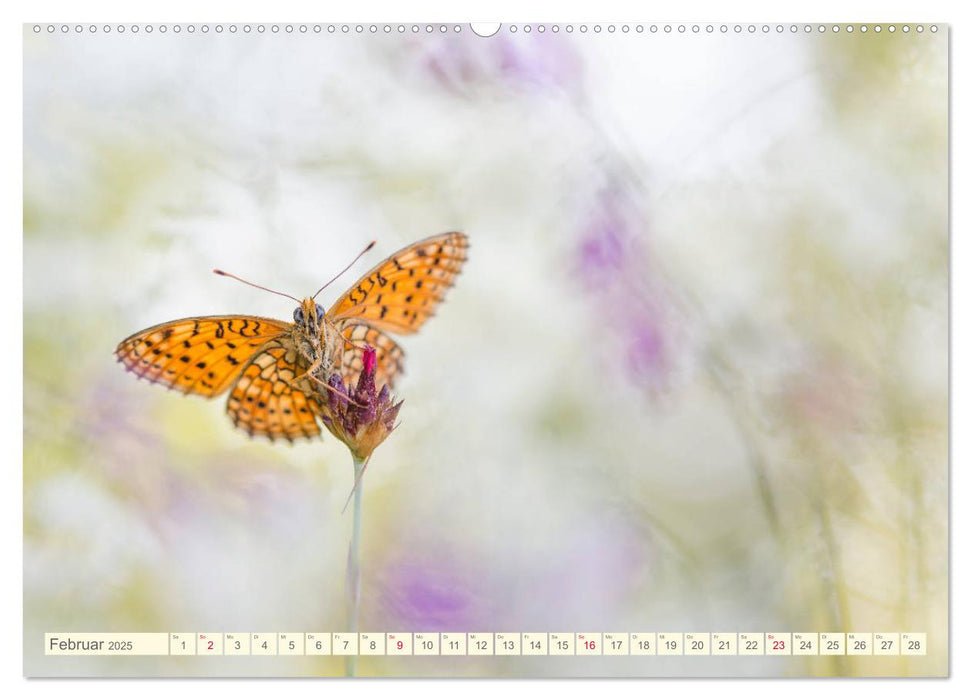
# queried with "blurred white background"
point(693, 377)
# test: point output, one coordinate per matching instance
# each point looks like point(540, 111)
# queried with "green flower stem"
point(354, 567)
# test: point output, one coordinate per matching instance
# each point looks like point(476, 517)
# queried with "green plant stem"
point(354, 567)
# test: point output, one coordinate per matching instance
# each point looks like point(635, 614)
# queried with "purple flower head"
point(361, 417)
point(370, 361)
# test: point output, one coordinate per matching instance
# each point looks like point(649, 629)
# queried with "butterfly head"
point(309, 315)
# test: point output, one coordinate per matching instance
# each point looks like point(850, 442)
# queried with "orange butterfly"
point(275, 368)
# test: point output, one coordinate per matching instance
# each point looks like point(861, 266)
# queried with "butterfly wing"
point(401, 293)
point(263, 401)
point(390, 356)
point(197, 355)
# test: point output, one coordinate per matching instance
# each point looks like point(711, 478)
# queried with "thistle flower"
point(361, 417)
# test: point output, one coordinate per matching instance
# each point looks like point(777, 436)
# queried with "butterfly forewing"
point(263, 401)
point(197, 355)
point(401, 293)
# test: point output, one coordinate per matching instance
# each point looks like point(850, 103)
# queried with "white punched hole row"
point(479, 29)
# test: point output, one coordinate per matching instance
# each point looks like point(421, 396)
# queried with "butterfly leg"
point(340, 393)
point(310, 371)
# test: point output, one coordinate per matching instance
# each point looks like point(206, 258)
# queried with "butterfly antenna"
point(359, 255)
point(265, 289)
point(354, 345)
point(357, 484)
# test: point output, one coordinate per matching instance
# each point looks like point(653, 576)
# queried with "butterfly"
point(274, 370)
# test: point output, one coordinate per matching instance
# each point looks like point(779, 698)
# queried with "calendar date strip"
point(487, 644)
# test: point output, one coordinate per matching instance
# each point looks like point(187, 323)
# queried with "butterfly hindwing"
point(263, 401)
point(401, 293)
point(390, 356)
point(197, 355)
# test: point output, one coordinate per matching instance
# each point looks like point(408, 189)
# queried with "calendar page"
point(532, 350)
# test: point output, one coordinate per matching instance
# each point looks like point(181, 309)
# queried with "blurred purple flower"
point(615, 266)
point(519, 62)
point(434, 594)
point(138, 463)
point(584, 578)
point(646, 350)
point(601, 249)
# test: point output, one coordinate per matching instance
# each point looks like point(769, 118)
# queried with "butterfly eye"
point(298, 315)
point(320, 312)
